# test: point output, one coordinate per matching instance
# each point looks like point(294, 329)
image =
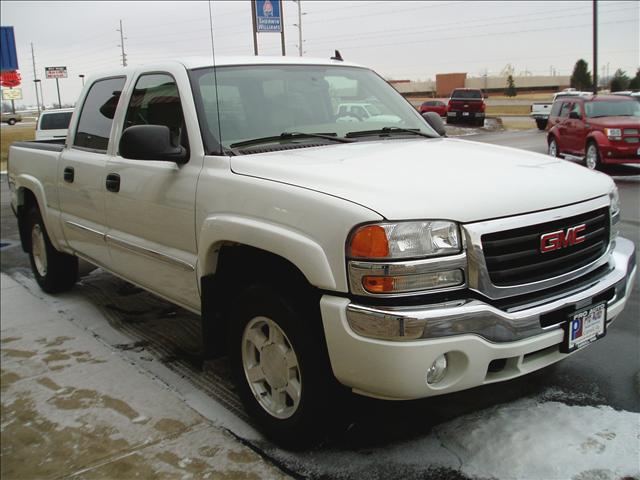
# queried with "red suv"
point(466, 105)
point(600, 129)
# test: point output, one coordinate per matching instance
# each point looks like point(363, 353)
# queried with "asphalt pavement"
point(585, 406)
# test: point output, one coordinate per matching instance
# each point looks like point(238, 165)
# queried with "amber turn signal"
point(370, 242)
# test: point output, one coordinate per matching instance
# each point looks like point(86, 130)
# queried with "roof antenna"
point(337, 56)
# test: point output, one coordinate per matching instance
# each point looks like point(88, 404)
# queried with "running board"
point(576, 158)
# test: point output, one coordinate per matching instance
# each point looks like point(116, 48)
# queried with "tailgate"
point(465, 105)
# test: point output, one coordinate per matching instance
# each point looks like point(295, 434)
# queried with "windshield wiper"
point(387, 131)
point(290, 136)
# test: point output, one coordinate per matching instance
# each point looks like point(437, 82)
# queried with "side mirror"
point(151, 142)
point(435, 122)
point(574, 115)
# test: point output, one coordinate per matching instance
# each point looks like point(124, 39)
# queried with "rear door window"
point(96, 117)
point(555, 109)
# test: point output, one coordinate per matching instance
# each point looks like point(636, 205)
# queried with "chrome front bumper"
point(472, 316)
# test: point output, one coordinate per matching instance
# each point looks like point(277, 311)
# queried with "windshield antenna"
point(215, 80)
point(337, 56)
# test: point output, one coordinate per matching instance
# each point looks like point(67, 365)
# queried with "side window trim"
point(71, 136)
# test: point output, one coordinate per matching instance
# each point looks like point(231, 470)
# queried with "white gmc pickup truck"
point(320, 251)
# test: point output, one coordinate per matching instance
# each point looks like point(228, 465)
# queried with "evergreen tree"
point(511, 87)
point(581, 77)
point(634, 84)
point(620, 81)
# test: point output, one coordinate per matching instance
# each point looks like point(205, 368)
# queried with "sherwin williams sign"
point(268, 16)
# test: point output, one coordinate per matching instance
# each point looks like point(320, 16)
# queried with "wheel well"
point(26, 200)
point(239, 266)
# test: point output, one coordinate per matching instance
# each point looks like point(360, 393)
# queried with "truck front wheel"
point(54, 271)
point(278, 366)
point(553, 148)
point(592, 158)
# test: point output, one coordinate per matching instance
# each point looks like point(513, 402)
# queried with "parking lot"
point(578, 419)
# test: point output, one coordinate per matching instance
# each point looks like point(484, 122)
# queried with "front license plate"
point(585, 327)
point(465, 114)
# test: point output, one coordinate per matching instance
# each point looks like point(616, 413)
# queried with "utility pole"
point(122, 39)
point(595, 47)
point(299, 25)
point(255, 27)
point(35, 78)
point(282, 28)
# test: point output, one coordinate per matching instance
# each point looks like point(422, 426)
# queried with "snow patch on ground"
point(546, 441)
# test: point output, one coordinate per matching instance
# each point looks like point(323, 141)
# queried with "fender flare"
point(31, 183)
point(302, 251)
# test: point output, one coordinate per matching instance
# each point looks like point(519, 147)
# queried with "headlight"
point(614, 198)
point(613, 133)
point(404, 240)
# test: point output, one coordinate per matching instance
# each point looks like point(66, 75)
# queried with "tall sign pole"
point(595, 47)
point(255, 27)
point(122, 39)
point(282, 27)
point(57, 73)
point(267, 16)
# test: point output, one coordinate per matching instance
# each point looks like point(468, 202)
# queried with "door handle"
point(113, 182)
point(68, 174)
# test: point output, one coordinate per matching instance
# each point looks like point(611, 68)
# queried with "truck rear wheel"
point(279, 367)
point(53, 270)
point(541, 123)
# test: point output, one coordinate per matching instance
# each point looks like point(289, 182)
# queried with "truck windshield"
point(629, 108)
point(242, 103)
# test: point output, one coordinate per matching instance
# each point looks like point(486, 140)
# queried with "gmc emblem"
point(561, 239)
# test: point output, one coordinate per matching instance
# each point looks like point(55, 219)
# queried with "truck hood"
point(615, 122)
point(431, 178)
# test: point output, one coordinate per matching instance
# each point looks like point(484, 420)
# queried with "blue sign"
point(268, 16)
point(8, 56)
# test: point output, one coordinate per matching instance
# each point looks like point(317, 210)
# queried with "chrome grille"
point(513, 256)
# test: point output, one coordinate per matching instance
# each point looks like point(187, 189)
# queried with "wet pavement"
point(72, 407)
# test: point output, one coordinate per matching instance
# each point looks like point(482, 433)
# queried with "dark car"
point(466, 105)
point(599, 129)
point(434, 106)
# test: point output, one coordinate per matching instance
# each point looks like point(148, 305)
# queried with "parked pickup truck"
point(323, 255)
point(466, 105)
point(540, 110)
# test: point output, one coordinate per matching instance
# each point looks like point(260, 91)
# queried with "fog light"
point(437, 370)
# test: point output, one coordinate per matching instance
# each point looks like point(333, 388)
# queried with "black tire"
point(592, 158)
point(541, 123)
point(60, 270)
point(450, 120)
point(300, 322)
point(11, 121)
point(480, 122)
point(553, 147)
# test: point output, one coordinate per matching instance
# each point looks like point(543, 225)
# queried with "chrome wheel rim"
point(592, 157)
point(553, 149)
point(38, 250)
point(271, 367)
